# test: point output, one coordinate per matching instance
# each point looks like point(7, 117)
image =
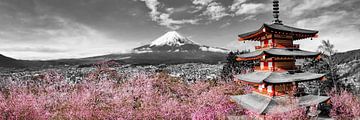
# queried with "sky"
point(55, 29)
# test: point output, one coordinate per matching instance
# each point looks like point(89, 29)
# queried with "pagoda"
point(275, 77)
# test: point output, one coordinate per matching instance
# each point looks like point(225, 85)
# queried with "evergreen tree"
point(328, 52)
point(233, 66)
point(325, 65)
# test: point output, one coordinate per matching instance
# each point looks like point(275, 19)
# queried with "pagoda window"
point(270, 42)
point(261, 65)
point(261, 87)
point(269, 89)
point(262, 44)
point(266, 43)
point(270, 65)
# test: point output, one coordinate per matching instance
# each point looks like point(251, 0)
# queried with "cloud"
point(210, 11)
point(225, 25)
point(153, 6)
point(242, 8)
point(215, 11)
point(323, 21)
point(310, 5)
point(341, 28)
point(236, 4)
point(163, 18)
point(202, 2)
point(63, 39)
point(34, 49)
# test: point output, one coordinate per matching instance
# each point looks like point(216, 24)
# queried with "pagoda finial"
point(276, 12)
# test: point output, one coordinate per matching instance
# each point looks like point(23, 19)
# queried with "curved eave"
point(297, 33)
point(296, 77)
point(262, 104)
point(278, 78)
point(297, 53)
point(253, 77)
point(252, 35)
point(275, 52)
point(253, 101)
point(285, 28)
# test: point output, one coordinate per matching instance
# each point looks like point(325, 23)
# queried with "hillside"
point(170, 48)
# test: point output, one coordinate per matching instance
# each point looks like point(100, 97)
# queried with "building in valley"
point(275, 78)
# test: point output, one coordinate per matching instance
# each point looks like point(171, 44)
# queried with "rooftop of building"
point(278, 77)
point(262, 104)
point(282, 52)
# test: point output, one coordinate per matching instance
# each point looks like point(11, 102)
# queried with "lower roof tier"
point(277, 52)
point(261, 104)
point(278, 77)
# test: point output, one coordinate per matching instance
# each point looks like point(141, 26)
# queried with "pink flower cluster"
point(101, 96)
point(344, 105)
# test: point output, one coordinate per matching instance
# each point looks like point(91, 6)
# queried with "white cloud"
point(202, 2)
point(153, 6)
point(164, 19)
point(323, 21)
point(242, 8)
point(225, 25)
point(341, 28)
point(298, 8)
point(70, 40)
point(236, 4)
point(215, 11)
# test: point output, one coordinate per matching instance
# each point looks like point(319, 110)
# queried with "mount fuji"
point(170, 48)
point(174, 42)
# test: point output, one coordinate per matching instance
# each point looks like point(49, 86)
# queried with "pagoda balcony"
point(294, 46)
point(273, 69)
point(270, 93)
point(265, 68)
point(265, 46)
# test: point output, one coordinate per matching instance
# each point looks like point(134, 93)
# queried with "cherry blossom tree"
point(344, 105)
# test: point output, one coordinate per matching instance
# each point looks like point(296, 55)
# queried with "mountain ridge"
point(169, 48)
point(172, 41)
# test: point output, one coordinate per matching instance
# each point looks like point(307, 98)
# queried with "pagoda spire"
point(276, 12)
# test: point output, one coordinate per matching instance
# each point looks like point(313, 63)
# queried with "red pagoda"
point(276, 75)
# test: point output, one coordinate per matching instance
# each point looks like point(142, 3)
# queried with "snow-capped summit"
point(171, 48)
point(174, 42)
point(171, 38)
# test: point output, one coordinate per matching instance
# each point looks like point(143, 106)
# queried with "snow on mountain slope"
point(171, 38)
point(174, 42)
point(213, 49)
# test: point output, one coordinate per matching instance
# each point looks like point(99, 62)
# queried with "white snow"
point(171, 38)
point(123, 58)
point(176, 40)
point(140, 51)
point(212, 49)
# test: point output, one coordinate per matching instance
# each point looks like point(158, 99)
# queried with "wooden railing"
point(265, 68)
point(294, 46)
point(272, 69)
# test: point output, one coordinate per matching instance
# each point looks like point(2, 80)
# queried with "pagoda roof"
point(278, 77)
point(281, 52)
point(297, 33)
point(263, 104)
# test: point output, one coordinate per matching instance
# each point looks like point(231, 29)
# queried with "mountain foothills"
point(349, 65)
point(170, 48)
point(173, 48)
